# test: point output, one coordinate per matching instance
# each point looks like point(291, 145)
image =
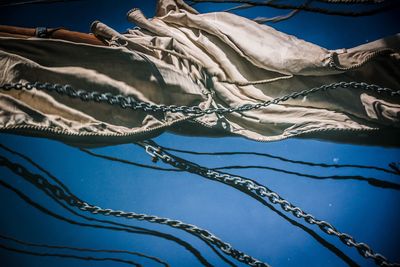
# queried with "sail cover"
point(183, 58)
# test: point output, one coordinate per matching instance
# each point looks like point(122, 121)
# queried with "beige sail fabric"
point(180, 57)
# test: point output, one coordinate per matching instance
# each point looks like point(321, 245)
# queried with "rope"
point(71, 256)
point(245, 83)
point(352, 1)
point(304, 7)
point(57, 192)
point(371, 181)
point(282, 17)
point(34, 2)
point(252, 186)
point(126, 161)
point(314, 235)
point(200, 65)
point(70, 221)
point(334, 64)
point(275, 19)
point(25, 243)
point(322, 241)
point(120, 226)
point(307, 163)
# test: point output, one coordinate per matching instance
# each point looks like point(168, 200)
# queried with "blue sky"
point(367, 212)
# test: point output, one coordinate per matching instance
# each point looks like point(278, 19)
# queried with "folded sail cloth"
point(180, 57)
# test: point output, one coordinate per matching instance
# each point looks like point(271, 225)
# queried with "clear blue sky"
point(369, 213)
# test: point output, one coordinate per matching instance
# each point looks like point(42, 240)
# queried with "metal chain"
point(59, 193)
point(132, 103)
point(253, 187)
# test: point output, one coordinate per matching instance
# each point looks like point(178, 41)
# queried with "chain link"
point(253, 187)
point(132, 103)
point(249, 185)
point(71, 200)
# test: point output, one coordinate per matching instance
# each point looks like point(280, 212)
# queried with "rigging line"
point(197, 63)
point(314, 235)
point(311, 232)
point(306, 8)
point(275, 19)
point(114, 228)
point(139, 231)
point(35, 165)
point(372, 181)
point(257, 82)
point(243, 6)
point(71, 256)
point(246, 6)
point(280, 18)
point(145, 231)
point(127, 161)
point(41, 183)
point(340, 254)
point(395, 166)
point(252, 186)
point(30, 244)
point(148, 167)
point(151, 232)
point(59, 255)
point(325, 165)
point(318, 238)
point(14, 3)
point(352, 1)
point(240, 7)
point(334, 61)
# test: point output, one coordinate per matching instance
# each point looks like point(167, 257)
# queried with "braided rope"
point(333, 58)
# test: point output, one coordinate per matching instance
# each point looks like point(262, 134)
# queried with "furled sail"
point(188, 72)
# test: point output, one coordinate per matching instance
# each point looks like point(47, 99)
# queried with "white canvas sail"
point(213, 60)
